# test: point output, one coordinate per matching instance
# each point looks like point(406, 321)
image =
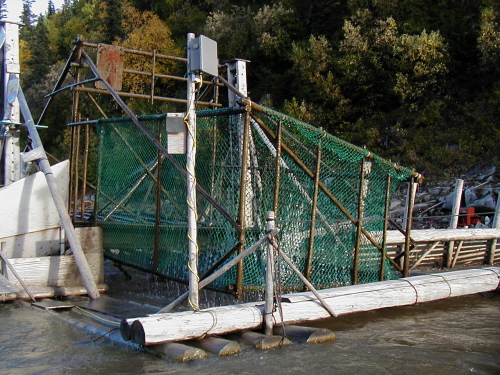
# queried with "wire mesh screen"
point(329, 197)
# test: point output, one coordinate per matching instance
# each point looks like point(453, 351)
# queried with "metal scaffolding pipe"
point(192, 214)
point(43, 163)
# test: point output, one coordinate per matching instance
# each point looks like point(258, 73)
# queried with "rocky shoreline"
point(434, 199)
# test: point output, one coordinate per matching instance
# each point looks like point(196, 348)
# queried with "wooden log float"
point(178, 352)
point(218, 345)
point(262, 341)
point(308, 335)
point(303, 307)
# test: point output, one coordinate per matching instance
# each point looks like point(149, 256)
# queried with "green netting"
point(147, 228)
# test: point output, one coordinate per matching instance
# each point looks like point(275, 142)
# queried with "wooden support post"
point(312, 229)
point(384, 232)
point(220, 272)
point(278, 170)
point(269, 293)
point(409, 222)
point(74, 203)
point(494, 224)
point(359, 225)
point(454, 219)
point(85, 168)
point(455, 258)
point(242, 214)
point(72, 154)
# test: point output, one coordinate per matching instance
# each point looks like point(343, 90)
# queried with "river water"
point(455, 336)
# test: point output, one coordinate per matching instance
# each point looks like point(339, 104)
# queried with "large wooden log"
point(260, 340)
point(218, 345)
point(52, 292)
point(302, 307)
point(160, 328)
point(178, 352)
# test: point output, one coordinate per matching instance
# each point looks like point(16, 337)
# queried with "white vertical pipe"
point(191, 183)
point(11, 71)
point(269, 324)
point(459, 184)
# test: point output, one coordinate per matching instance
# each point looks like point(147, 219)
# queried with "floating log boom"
point(302, 307)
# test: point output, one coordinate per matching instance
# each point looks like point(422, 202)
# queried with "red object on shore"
point(467, 217)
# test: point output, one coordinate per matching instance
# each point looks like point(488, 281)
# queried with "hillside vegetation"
point(414, 81)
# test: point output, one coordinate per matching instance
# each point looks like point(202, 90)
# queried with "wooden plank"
point(51, 292)
point(13, 271)
point(424, 255)
point(433, 235)
point(55, 271)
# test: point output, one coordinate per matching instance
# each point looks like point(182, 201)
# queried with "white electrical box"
point(203, 56)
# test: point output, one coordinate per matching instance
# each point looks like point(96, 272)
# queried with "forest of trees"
point(416, 81)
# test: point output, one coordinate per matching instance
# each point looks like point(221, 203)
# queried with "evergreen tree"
point(51, 9)
point(39, 64)
point(3, 9)
point(26, 19)
point(27, 16)
point(112, 20)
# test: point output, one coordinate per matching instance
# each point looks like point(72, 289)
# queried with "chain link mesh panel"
point(247, 171)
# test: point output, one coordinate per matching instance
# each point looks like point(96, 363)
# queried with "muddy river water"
point(456, 336)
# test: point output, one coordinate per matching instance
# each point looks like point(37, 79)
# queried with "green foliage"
point(414, 80)
point(112, 18)
point(489, 39)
